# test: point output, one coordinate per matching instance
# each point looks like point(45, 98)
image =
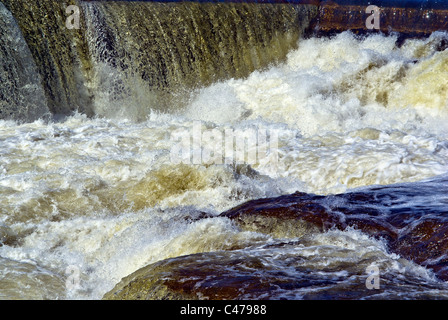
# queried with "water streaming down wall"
point(129, 57)
point(162, 50)
point(20, 81)
point(59, 55)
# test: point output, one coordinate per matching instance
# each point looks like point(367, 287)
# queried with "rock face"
point(410, 19)
point(416, 234)
point(252, 275)
point(416, 231)
point(416, 21)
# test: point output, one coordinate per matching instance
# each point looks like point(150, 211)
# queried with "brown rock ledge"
point(415, 232)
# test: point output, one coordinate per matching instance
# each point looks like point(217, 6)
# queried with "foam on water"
point(101, 194)
point(352, 112)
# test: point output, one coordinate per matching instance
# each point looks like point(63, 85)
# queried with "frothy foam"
point(102, 194)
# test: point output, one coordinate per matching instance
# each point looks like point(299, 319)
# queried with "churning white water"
point(87, 201)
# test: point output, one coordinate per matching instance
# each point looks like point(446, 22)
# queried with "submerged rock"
point(416, 233)
point(279, 271)
point(297, 265)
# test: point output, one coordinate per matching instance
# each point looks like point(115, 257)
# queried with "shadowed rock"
point(411, 220)
point(253, 274)
point(418, 21)
point(419, 234)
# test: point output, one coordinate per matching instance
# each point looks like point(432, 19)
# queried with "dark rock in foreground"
point(419, 233)
point(270, 273)
point(411, 219)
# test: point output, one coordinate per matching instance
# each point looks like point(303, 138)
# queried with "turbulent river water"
point(125, 177)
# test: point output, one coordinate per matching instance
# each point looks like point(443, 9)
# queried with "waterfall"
point(128, 58)
point(21, 94)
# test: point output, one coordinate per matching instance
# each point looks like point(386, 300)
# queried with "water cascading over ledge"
point(19, 84)
point(60, 57)
point(129, 57)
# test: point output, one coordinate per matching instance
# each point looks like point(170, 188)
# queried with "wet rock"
point(231, 275)
point(419, 234)
point(418, 21)
point(409, 220)
point(426, 242)
point(213, 276)
point(273, 272)
point(303, 212)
